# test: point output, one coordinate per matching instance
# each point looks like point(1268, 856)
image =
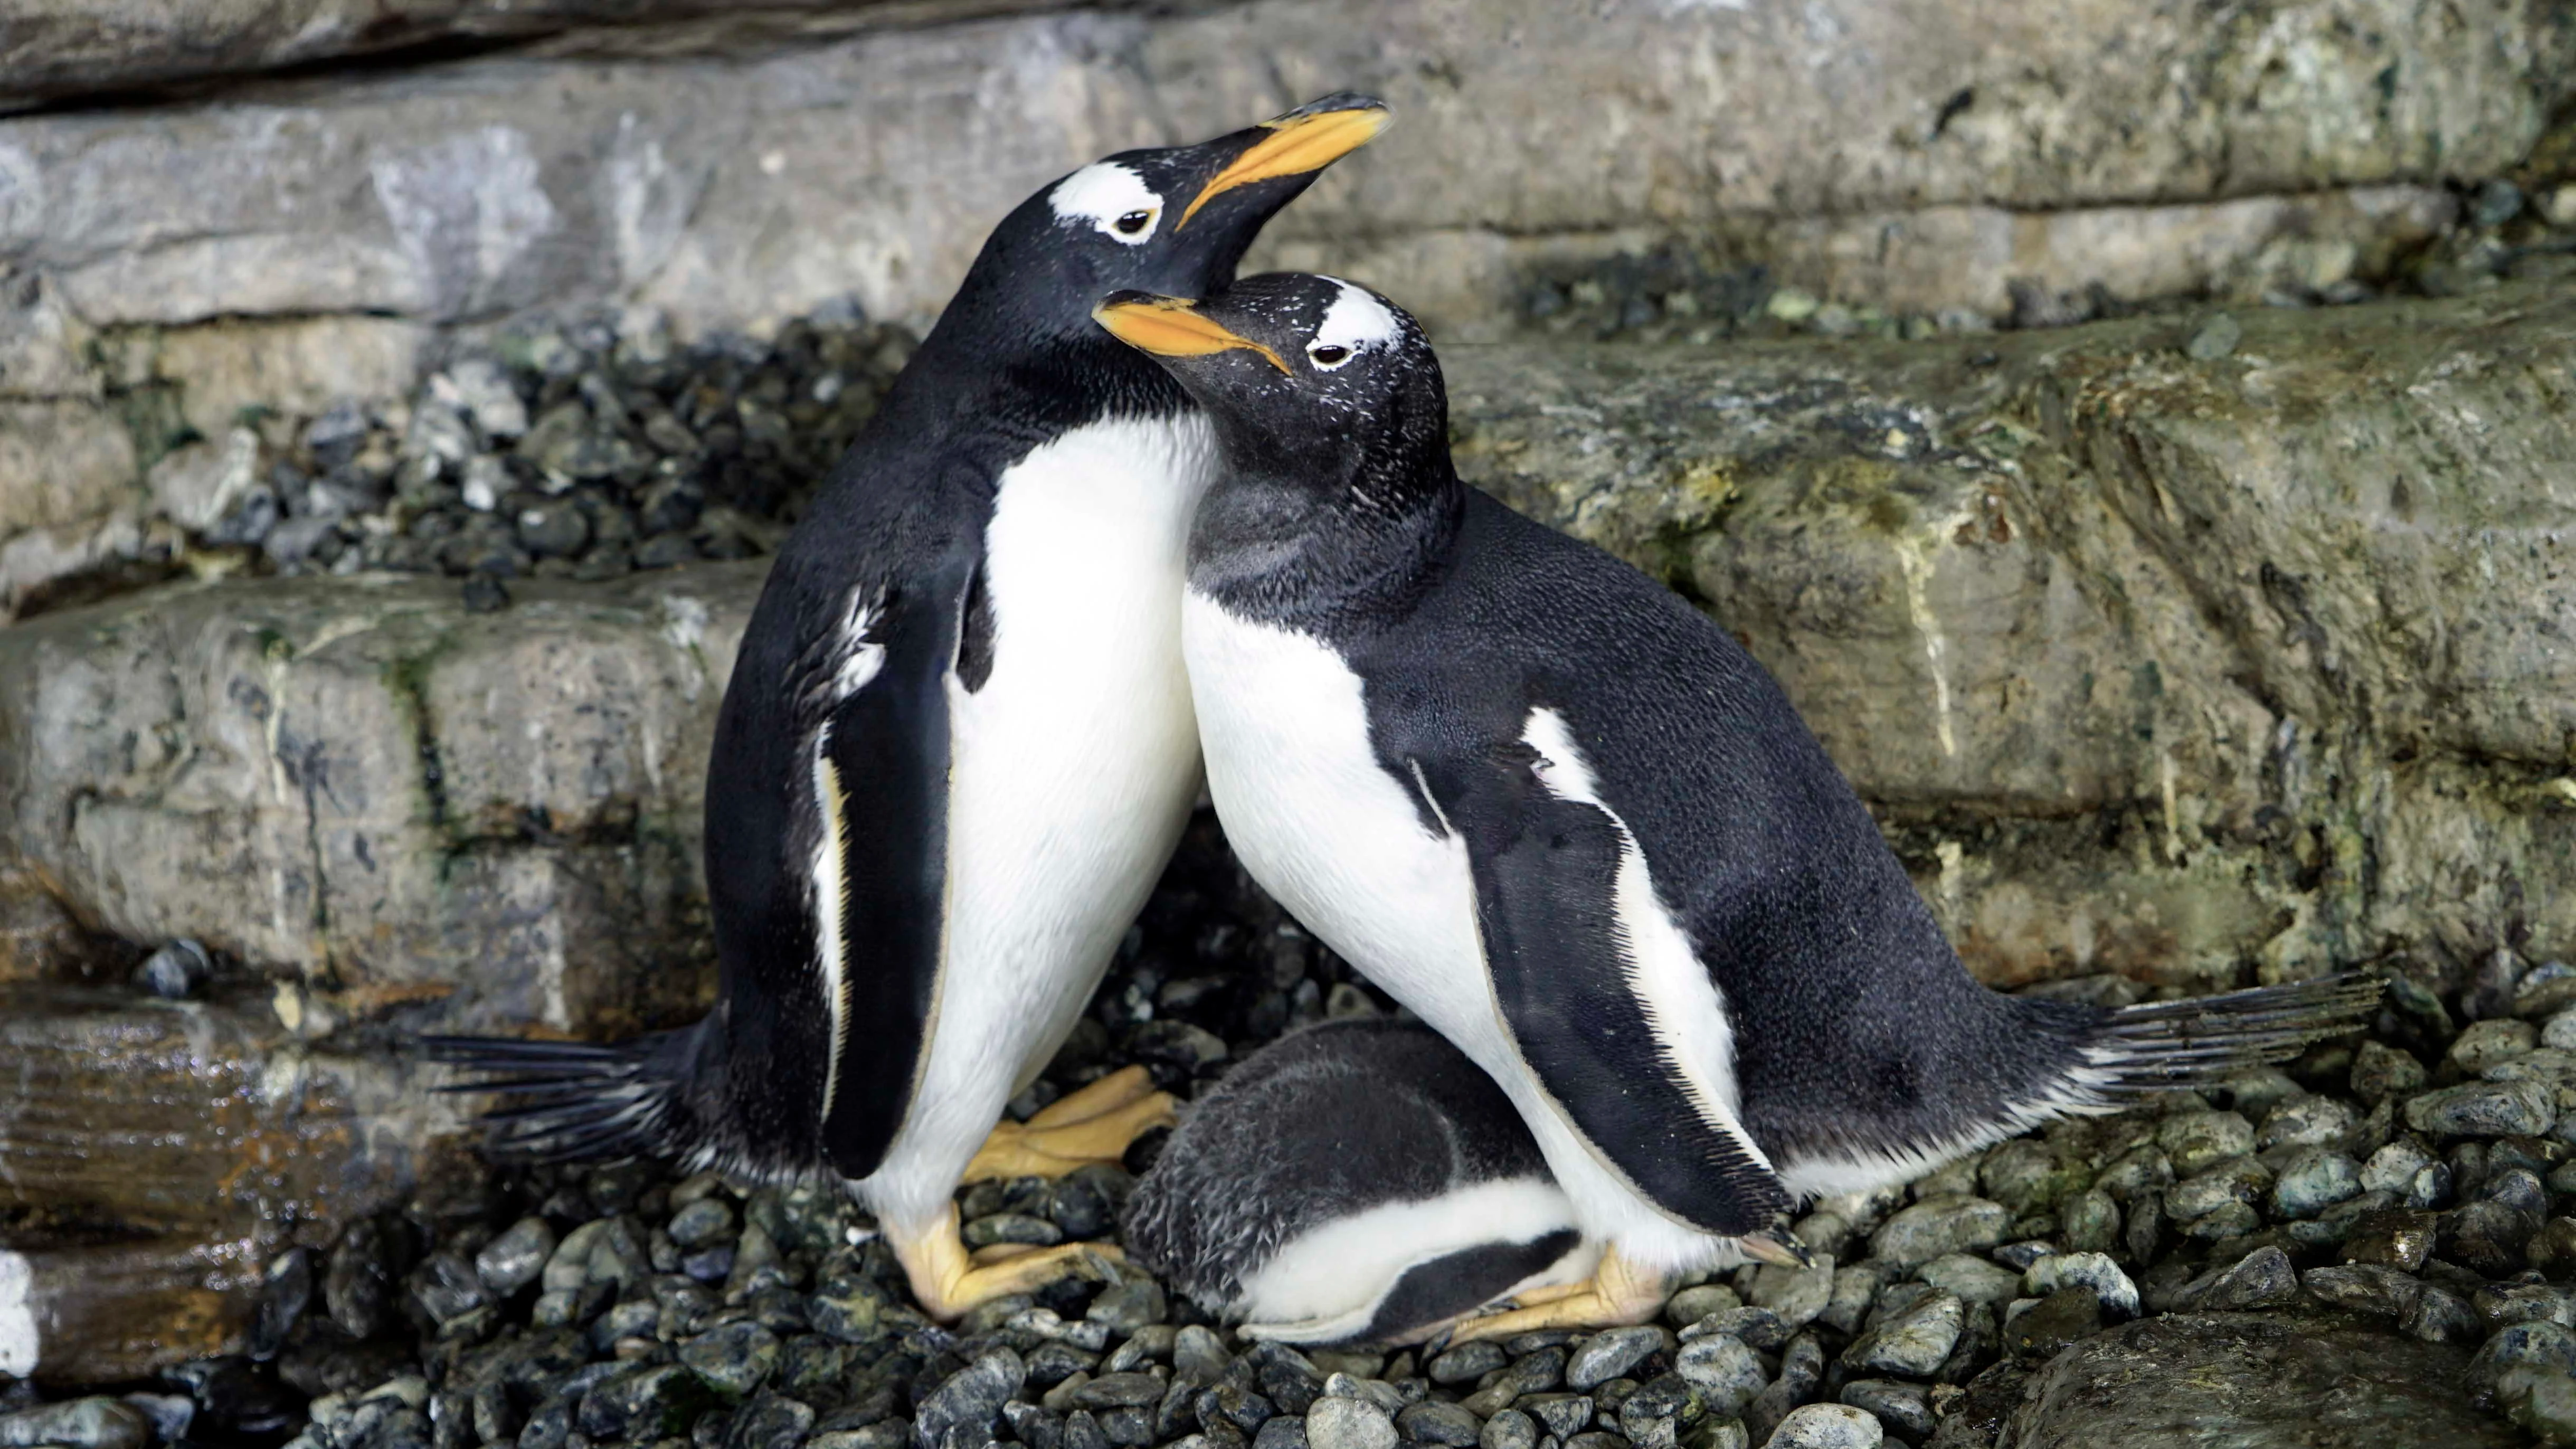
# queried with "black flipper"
point(1546, 873)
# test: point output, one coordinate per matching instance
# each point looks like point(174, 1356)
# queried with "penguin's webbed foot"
point(1095, 1124)
point(1618, 1293)
point(948, 1283)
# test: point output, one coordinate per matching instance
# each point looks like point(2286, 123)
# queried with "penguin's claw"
point(948, 1283)
point(1095, 1124)
point(1618, 1293)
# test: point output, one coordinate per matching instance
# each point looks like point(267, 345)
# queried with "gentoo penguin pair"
point(1355, 1181)
point(957, 747)
point(1570, 823)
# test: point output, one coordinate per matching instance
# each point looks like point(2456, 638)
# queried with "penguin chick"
point(957, 746)
point(1567, 820)
point(1356, 1181)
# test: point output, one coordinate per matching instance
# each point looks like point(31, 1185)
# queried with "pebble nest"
point(2408, 1189)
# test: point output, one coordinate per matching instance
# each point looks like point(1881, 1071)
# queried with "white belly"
point(1072, 774)
point(1329, 832)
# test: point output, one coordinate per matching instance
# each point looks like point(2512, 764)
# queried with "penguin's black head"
point(1173, 220)
point(1308, 378)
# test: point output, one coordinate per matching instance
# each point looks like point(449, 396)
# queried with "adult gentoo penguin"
point(1356, 1181)
point(1567, 820)
point(957, 746)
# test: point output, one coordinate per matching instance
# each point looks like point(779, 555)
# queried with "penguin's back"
point(1856, 1032)
point(1357, 1180)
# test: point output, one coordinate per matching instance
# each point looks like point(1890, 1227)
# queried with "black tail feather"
point(576, 1101)
point(2201, 1040)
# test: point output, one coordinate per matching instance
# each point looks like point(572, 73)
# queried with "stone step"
point(154, 1155)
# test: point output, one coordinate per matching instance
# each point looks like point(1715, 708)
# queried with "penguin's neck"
point(1278, 548)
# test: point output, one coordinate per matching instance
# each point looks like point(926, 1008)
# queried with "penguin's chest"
point(1073, 764)
point(1326, 829)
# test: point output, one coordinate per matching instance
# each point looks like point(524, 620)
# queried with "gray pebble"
point(1021, 1228)
point(1936, 1226)
point(702, 1224)
point(1563, 1415)
point(1199, 1355)
point(1854, 1289)
point(1339, 1423)
point(2313, 1181)
point(2440, 1316)
point(1342, 1385)
point(1973, 1279)
point(2092, 1221)
point(2374, 1288)
point(1433, 1422)
point(733, 1358)
point(1759, 1327)
point(2309, 1122)
point(1128, 1306)
point(2260, 1279)
point(1914, 1341)
point(1509, 1429)
point(92, 1423)
point(1907, 1407)
point(1693, 1304)
point(972, 1399)
point(1284, 1432)
point(2093, 1272)
point(2484, 1109)
point(1613, 1353)
point(1727, 1373)
point(2216, 338)
point(1466, 1362)
point(1796, 1294)
point(1827, 1426)
point(176, 971)
point(2543, 1344)
point(2193, 1141)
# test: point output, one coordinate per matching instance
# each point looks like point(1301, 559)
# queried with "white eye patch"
point(1112, 198)
point(1356, 322)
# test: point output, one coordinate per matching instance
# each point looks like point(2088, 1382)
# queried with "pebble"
point(1613, 1353)
point(2193, 1141)
point(2260, 1279)
point(92, 1423)
point(2440, 1316)
point(1693, 1304)
point(1130, 1305)
point(2374, 1288)
point(2091, 1221)
point(1339, 1423)
point(1936, 1226)
point(2483, 1043)
point(1199, 1356)
point(1797, 1295)
point(2559, 1032)
point(513, 1260)
point(2215, 339)
point(1905, 1407)
point(2540, 1344)
point(2381, 1072)
point(2093, 1272)
point(1466, 1362)
point(1726, 1373)
point(2309, 1122)
point(1507, 1429)
point(1912, 1342)
point(1827, 1426)
point(1973, 1279)
point(2484, 1109)
point(1759, 1327)
point(1433, 1422)
point(2401, 1238)
point(971, 1400)
point(2313, 1181)
point(175, 972)
point(1563, 1415)
point(734, 1358)
point(1855, 1288)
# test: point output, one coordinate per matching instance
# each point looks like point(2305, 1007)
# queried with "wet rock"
point(2312, 1181)
point(2263, 1278)
point(2553, 1249)
point(93, 1423)
point(2215, 338)
point(1726, 1373)
point(1827, 1426)
point(2399, 1237)
point(1936, 1226)
point(1796, 1295)
point(1338, 1423)
point(1691, 1305)
point(2191, 1380)
point(2440, 1316)
point(2484, 1109)
point(2487, 1236)
point(515, 1259)
point(970, 1402)
point(1802, 1369)
point(1613, 1353)
point(1199, 1356)
point(1759, 1327)
point(1466, 1362)
point(1509, 1429)
point(1562, 1415)
point(2095, 1273)
point(1433, 1422)
point(770, 1421)
point(1973, 1279)
point(702, 1224)
point(2381, 1072)
point(1912, 1342)
point(287, 1289)
point(2539, 1344)
point(1128, 1306)
point(2047, 1325)
point(644, 1402)
point(734, 1359)
point(175, 972)
point(2091, 1221)
point(2193, 1141)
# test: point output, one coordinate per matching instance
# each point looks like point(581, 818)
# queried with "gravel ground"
point(2371, 1233)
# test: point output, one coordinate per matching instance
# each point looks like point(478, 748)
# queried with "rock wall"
point(284, 239)
point(2151, 663)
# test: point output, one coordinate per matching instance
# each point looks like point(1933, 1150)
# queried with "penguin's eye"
point(1134, 223)
point(1328, 355)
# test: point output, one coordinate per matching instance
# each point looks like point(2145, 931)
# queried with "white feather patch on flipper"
point(856, 662)
point(1679, 998)
point(18, 1343)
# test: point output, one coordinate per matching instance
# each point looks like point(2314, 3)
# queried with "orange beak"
point(1168, 327)
point(1295, 146)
